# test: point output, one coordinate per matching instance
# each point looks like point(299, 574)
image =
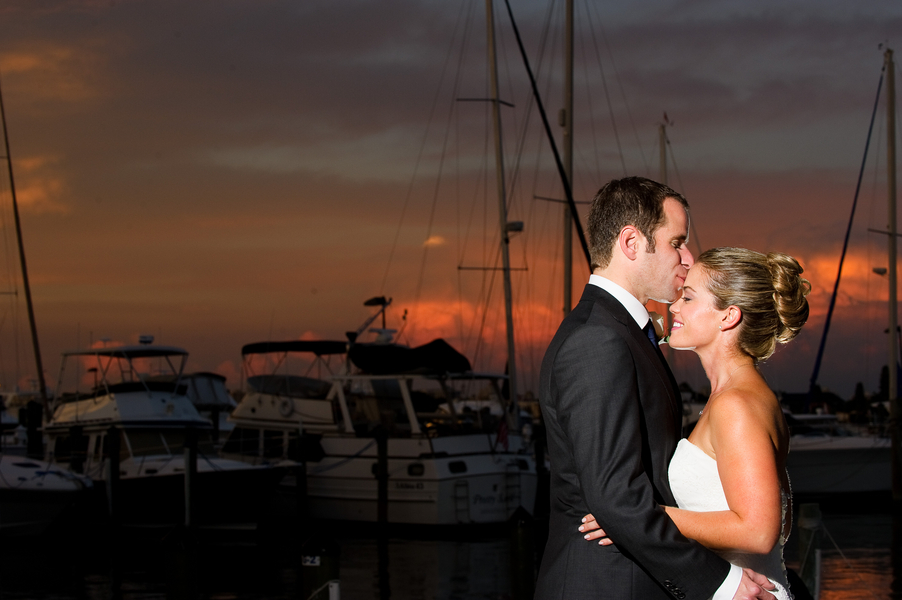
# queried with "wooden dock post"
point(33, 415)
point(113, 444)
point(190, 474)
point(300, 477)
point(523, 555)
point(381, 436)
point(810, 535)
point(320, 560)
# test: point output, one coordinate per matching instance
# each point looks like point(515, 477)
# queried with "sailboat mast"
point(31, 321)
point(662, 156)
point(892, 392)
point(567, 123)
point(502, 202)
point(662, 143)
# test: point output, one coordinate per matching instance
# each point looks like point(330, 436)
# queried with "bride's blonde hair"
point(767, 288)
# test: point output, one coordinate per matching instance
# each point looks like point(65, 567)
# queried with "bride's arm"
point(742, 436)
point(747, 464)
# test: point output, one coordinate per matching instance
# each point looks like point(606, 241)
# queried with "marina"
point(137, 434)
point(244, 174)
point(441, 443)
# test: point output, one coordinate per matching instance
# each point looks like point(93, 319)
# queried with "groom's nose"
point(686, 256)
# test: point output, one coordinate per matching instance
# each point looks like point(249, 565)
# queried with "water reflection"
point(864, 574)
point(91, 566)
point(444, 570)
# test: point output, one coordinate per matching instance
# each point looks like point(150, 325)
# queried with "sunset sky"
point(220, 173)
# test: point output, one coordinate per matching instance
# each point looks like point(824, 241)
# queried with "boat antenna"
point(820, 351)
point(379, 301)
point(565, 181)
point(42, 385)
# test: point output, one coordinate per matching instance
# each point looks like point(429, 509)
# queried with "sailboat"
point(825, 460)
point(33, 493)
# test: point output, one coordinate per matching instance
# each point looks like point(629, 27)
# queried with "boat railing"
point(292, 386)
point(366, 401)
point(147, 386)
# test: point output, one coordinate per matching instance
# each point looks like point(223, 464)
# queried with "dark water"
point(409, 564)
point(858, 558)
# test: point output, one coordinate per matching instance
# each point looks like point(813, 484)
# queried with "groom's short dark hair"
point(633, 201)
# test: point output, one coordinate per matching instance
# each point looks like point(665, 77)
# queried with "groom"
point(613, 415)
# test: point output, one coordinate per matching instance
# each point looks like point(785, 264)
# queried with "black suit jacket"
point(612, 412)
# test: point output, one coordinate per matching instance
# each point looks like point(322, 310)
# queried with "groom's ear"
point(629, 240)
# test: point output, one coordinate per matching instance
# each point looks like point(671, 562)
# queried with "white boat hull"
point(34, 493)
point(457, 451)
point(452, 489)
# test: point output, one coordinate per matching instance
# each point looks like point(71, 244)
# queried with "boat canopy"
point(436, 357)
point(318, 347)
point(130, 351)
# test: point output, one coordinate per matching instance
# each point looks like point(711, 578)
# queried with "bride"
point(729, 477)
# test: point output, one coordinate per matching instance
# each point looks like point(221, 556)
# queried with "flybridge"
point(122, 369)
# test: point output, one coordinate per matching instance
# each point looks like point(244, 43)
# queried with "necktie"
point(649, 330)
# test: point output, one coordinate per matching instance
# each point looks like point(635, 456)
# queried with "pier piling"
point(113, 444)
point(190, 474)
point(811, 534)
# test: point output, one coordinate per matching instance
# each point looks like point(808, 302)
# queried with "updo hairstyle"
point(768, 289)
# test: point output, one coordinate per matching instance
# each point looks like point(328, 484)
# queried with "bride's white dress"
point(696, 486)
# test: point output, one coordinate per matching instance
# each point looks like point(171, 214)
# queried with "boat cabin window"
point(292, 386)
point(449, 407)
point(146, 443)
point(175, 440)
point(123, 446)
point(66, 445)
point(273, 443)
point(99, 441)
point(298, 451)
point(167, 443)
point(243, 440)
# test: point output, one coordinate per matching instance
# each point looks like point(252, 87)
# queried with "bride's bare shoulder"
point(746, 409)
point(740, 398)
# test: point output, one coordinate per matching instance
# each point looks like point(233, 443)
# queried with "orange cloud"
point(858, 284)
point(17, 62)
point(55, 72)
point(231, 371)
point(39, 186)
point(41, 195)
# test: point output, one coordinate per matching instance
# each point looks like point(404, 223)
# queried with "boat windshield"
point(262, 445)
point(122, 369)
point(167, 443)
point(293, 386)
point(442, 407)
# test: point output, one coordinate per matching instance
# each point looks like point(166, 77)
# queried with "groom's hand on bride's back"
point(754, 586)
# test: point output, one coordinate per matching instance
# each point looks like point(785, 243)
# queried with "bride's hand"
point(594, 531)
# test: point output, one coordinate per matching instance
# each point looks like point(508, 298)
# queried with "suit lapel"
point(651, 352)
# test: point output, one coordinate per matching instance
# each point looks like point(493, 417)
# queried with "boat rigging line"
point(435, 101)
point(845, 246)
point(568, 192)
point(34, 332)
point(604, 83)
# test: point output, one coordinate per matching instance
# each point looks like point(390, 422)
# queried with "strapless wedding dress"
point(696, 486)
